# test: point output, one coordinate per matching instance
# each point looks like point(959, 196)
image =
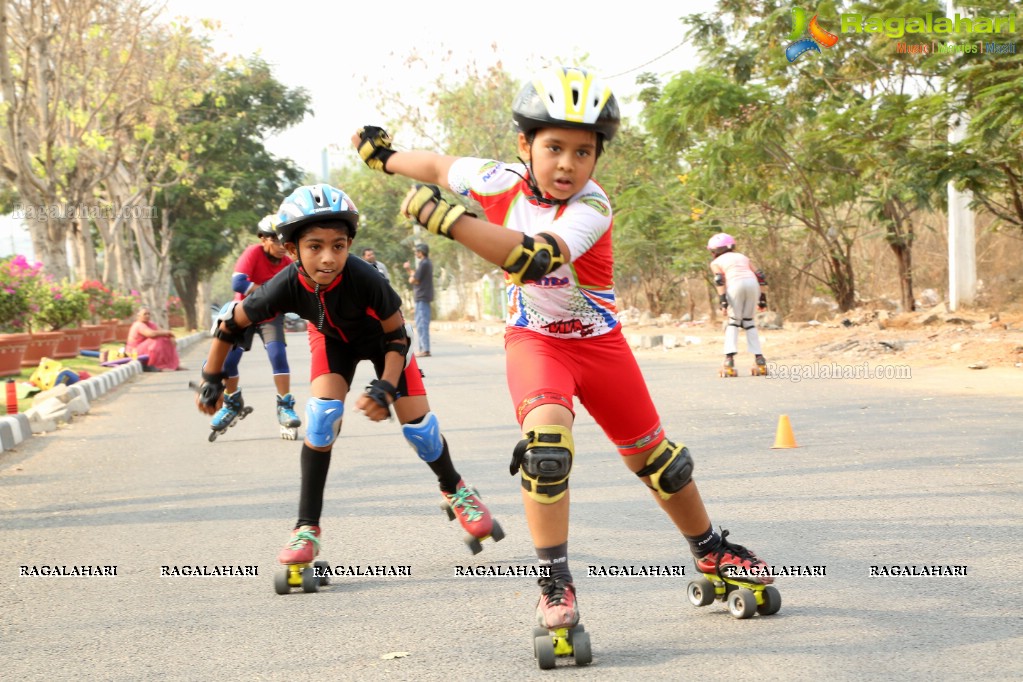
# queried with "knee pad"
point(669, 467)
point(234, 357)
point(751, 325)
point(278, 355)
point(323, 420)
point(544, 458)
point(425, 438)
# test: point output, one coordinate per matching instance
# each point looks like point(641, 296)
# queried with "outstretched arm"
point(374, 146)
point(495, 243)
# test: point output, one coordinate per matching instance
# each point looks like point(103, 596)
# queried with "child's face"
point(323, 252)
point(562, 159)
point(273, 247)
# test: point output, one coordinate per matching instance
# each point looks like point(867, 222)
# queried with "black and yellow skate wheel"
point(700, 592)
point(310, 581)
point(322, 567)
point(281, 584)
point(742, 603)
point(580, 641)
point(543, 651)
point(772, 601)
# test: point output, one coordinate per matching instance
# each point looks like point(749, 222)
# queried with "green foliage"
point(66, 305)
point(237, 180)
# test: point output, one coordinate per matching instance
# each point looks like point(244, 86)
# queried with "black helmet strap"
point(534, 190)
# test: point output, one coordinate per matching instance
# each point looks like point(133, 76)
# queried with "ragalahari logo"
point(800, 28)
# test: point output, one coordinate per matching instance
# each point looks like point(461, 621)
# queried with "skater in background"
point(354, 315)
point(741, 291)
point(256, 266)
point(547, 223)
point(145, 338)
point(370, 256)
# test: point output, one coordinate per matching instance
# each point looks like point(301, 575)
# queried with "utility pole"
point(962, 240)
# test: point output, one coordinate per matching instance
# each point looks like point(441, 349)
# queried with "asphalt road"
point(887, 473)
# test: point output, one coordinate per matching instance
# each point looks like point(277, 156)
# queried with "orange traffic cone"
point(783, 437)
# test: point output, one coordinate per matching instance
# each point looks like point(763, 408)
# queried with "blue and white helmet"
point(315, 204)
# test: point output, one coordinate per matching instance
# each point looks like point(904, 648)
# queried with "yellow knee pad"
point(669, 467)
point(544, 459)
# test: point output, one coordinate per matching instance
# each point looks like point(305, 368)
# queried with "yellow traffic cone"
point(783, 437)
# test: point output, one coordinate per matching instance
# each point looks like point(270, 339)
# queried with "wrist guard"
point(443, 216)
point(378, 390)
point(211, 388)
point(762, 304)
point(723, 300)
point(375, 147)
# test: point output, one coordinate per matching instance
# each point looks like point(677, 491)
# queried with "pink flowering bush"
point(18, 278)
point(60, 305)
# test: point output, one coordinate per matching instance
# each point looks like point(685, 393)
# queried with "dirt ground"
point(978, 352)
point(979, 349)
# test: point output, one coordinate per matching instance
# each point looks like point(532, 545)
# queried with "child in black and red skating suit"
point(354, 315)
point(548, 224)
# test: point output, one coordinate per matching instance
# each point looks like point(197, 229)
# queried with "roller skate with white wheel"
point(559, 632)
point(728, 367)
point(228, 415)
point(299, 566)
point(760, 368)
point(287, 418)
point(738, 577)
point(465, 505)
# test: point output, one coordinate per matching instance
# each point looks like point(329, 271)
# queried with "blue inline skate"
point(234, 409)
point(287, 418)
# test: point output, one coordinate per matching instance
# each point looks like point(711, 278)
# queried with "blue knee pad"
point(322, 418)
point(275, 350)
point(234, 357)
point(424, 438)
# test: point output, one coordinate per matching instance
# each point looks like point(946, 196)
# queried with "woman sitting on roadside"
point(145, 338)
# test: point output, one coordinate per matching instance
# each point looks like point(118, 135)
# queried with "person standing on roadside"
point(421, 279)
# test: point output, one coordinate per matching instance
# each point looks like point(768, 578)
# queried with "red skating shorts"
point(330, 356)
point(601, 370)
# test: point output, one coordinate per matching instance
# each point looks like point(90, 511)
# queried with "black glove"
point(375, 147)
point(443, 216)
point(762, 303)
point(723, 301)
point(378, 390)
point(211, 388)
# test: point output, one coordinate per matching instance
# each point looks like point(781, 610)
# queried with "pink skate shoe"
point(556, 607)
point(466, 505)
point(303, 547)
point(735, 561)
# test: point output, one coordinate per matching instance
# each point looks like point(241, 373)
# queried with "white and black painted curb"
point(16, 428)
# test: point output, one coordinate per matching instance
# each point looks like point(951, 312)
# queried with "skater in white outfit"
point(741, 292)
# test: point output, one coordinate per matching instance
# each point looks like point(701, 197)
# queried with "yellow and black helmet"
point(567, 97)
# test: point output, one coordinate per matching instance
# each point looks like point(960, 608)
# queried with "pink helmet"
point(720, 241)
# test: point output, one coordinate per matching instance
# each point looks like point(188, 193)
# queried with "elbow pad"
point(719, 279)
point(240, 283)
point(399, 341)
point(530, 261)
point(234, 334)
